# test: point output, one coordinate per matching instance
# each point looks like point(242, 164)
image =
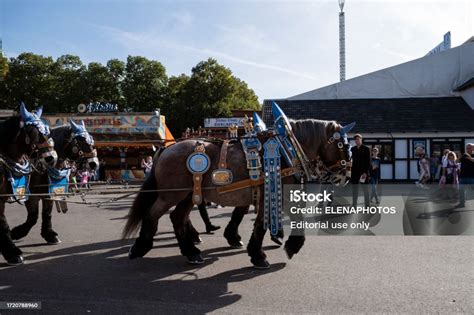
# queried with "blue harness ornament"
point(198, 163)
point(272, 186)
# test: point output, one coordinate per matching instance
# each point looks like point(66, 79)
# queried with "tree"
point(144, 85)
point(30, 79)
point(212, 91)
point(174, 105)
point(101, 84)
point(70, 85)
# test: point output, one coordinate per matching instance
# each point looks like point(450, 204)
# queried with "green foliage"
point(139, 85)
point(144, 86)
point(210, 91)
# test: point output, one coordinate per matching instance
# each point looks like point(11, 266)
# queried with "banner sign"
point(120, 123)
point(445, 45)
point(97, 108)
point(223, 122)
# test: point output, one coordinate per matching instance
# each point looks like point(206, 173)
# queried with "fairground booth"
point(427, 103)
point(221, 127)
point(122, 139)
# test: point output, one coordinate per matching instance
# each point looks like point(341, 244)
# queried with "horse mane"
point(311, 133)
point(8, 130)
point(60, 135)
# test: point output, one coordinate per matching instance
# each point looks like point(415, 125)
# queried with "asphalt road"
point(90, 272)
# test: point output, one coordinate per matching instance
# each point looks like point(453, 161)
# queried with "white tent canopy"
point(436, 75)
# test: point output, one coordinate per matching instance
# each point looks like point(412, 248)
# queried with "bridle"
point(44, 149)
point(338, 172)
point(75, 148)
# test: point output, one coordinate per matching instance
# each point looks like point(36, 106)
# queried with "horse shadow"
point(100, 274)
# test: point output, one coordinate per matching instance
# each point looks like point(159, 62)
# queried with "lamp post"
point(342, 42)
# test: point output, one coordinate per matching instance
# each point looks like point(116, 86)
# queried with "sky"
point(280, 48)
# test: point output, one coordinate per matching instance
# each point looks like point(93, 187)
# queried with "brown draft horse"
point(72, 143)
point(170, 173)
point(21, 136)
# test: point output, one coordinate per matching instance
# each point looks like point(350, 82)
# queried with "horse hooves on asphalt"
point(277, 240)
point(197, 240)
point(15, 260)
point(260, 264)
point(236, 244)
point(289, 252)
point(195, 259)
point(53, 240)
point(137, 252)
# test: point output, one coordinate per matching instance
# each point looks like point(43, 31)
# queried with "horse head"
point(325, 144)
point(82, 145)
point(34, 136)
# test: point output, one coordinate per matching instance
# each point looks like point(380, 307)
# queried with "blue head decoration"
point(347, 128)
point(80, 130)
point(34, 119)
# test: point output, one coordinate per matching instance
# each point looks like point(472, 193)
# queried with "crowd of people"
point(454, 171)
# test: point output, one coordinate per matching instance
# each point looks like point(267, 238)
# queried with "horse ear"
point(348, 127)
point(73, 125)
point(39, 111)
point(24, 112)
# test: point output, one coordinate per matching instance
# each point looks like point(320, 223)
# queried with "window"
point(385, 150)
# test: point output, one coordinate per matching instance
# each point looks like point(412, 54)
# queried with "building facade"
point(427, 102)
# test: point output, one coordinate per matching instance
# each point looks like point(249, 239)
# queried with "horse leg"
point(149, 226)
point(47, 232)
point(22, 230)
point(10, 252)
point(296, 239)
point(254, 248)
point(231, 232)
point(179, 218)
point(191, 230)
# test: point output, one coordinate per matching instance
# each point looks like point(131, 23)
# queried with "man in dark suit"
point(360, 170)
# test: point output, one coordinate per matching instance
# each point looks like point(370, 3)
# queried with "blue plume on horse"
point(258, 123)
point(281, 120)
point(34, 119)
point(74, 126)
point(80, 130)
point(25, 114)
point(39, 111)
point(347, 128)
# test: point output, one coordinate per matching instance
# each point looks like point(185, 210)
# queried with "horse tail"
point(143, 202)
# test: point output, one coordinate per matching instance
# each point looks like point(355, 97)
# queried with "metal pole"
point(342, 43)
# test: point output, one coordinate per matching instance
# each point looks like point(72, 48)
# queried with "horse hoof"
point(135, 252)
point(53, 240)
point(289, 253)
point(15, 260)
point(260, 263)
point(195, 259)
point(236, 244)
point(197, 240)
point(277, 240)
point(211, 228)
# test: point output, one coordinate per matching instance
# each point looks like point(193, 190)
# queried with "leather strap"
point(223, 156)
point(251, 183)
point(197, 193)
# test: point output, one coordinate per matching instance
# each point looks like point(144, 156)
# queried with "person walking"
point(360, 170)
point(205, 218)
point(466, 176)
point(424, 169)
point(147, 164)
point(450, 170)
point(374, 175)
